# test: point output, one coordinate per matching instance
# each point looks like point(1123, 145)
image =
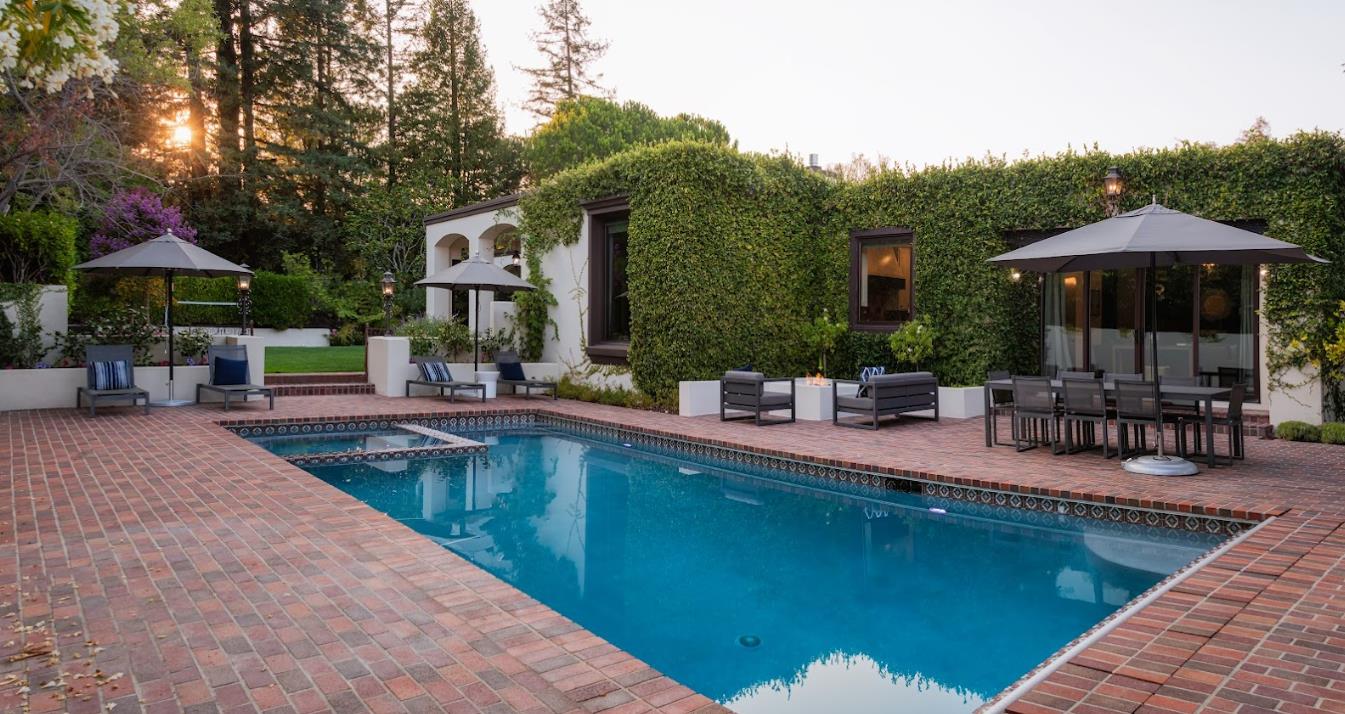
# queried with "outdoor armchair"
point(224, 381)
point(886, 395)
point(511, 373)
point(746, 392)
point(111, 376)
point(434, 372)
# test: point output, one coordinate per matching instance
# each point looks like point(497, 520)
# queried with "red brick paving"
point(158, 564)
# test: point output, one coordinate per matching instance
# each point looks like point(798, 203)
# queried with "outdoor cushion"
point(230, 372)
point(110, 375)
point(864, 403)
point(512, 371)
point(745, 368)
point(865, 375)
point(774, 398)
point(435, 371)
point(736, 376)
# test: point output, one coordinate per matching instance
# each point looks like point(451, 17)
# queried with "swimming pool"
point(766, 595)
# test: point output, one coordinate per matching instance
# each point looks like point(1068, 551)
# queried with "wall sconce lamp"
point(1113, 185)
point(1015, 274)
point(516, 259)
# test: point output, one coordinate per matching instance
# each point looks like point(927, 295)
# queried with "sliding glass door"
point(1206, 323)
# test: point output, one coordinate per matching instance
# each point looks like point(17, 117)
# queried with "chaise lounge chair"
point(434, 372)
point(229, 376)
point(746, 392)
point(886, 395)
point(111, 376)
point(511, 373)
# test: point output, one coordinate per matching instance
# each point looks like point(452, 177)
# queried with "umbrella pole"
point(1157, 464)
point(1153, 333)
point(172, 400)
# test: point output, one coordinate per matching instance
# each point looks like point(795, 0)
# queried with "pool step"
point(325, 389)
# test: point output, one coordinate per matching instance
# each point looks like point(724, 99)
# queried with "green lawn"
point(314, 359)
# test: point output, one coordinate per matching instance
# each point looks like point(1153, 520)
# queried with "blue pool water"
point(854, 603)
point(326, 443)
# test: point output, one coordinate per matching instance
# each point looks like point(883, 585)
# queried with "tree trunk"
point(196, 120)
point(226, 95)
point(248, 92)
point(389, 14)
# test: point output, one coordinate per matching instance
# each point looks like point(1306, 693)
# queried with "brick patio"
point(160, 564)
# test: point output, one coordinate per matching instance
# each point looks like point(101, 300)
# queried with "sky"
point(925, 82)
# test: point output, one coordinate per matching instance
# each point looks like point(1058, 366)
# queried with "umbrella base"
point(171, 403)
point(1155, 465)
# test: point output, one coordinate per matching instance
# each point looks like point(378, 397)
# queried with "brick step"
point(316, 378)
point(312, 390)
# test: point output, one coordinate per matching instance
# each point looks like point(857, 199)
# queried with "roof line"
point(493, 204)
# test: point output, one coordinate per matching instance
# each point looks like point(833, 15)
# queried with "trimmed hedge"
point(278, 301)
point(1298, 431)
point(1333, 432)
point(721, 251)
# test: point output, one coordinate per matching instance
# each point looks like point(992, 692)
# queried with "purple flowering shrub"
point(133, 217)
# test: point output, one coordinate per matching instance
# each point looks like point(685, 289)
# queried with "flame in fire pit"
point(816, 380)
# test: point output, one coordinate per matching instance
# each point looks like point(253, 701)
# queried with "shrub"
point(1298, 431)
point(23, 341)
point(38, 247)
point(281, 301)
point(568, 388)
point(346, 335)
point(822, 335)
point(436, 336)
point(912, 343)
point(133, 217)
point(1333, 432)
point(192, 343)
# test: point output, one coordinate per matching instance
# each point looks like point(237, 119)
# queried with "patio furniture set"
point(1067, 413)
point(111, 377)
point(434, 372)
point(875, 396)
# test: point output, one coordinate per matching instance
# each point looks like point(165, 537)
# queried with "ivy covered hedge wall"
point(960, 216)
point(722, 262)
point(731, 253)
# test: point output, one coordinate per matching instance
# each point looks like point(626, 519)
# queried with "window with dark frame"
point(882, 278)
point(609, 297)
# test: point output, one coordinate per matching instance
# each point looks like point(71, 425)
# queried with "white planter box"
point(55, 388)
point(698, 398)
point(961, 402)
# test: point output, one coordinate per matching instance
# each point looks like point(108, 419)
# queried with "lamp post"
point(244, 299)
point(388, 284)
point(1113, 185)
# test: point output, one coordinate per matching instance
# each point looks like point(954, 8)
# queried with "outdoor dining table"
point(1205, 395)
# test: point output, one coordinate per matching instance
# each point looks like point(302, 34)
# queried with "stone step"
point(312, 390)
point(316, 378)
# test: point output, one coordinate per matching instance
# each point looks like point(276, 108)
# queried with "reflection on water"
point(852, 604)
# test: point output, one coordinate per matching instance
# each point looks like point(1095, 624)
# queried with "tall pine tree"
point(451, 131)
point(569, 54)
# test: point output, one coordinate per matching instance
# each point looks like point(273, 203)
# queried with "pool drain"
point(749, 641)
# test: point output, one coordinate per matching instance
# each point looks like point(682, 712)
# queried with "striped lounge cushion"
point(435, 372)
point(110, 375)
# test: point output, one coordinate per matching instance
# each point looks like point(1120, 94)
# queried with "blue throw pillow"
point(230, 371)
point(435, 371)
point(512, 371)
point(745, 368)
point(110, 375)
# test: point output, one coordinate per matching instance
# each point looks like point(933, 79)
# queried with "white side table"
point(489, 379)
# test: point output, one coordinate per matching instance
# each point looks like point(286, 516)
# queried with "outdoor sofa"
point(744, 391)
point(511, 374)
point(434, 372)
point(885, 395)
point(111, 376)
point(229, 376)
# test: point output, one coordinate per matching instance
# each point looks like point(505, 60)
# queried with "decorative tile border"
point(450, 445)
point(821, 475)
point(799, 471)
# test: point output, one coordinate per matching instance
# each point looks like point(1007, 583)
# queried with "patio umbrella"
point(165, 256)
point(1152, 237)
point(476, 274)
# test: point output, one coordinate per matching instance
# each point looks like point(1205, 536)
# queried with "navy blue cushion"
point(110, 375)
point(230, 371)
point(512, 371)
point(745, 368)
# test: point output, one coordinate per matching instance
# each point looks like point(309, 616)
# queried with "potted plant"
point(822, 334)
point(912, 343)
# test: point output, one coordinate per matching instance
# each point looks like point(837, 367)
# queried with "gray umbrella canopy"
point(476, 273)
point(163, 255)
point(168, 256)
point(1152, 236)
